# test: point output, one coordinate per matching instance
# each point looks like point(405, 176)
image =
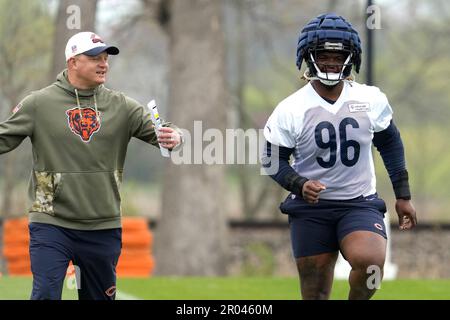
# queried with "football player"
point(329, 126)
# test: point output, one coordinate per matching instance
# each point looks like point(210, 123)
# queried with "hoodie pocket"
point(88, 196)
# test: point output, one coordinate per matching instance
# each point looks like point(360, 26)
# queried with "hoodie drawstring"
point(96, 109)
point(78, 105)
point(95, 105)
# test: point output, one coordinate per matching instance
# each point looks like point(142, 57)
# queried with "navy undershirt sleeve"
point(389, 143)
point(275, 160)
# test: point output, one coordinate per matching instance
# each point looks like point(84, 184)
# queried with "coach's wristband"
point(401, 185)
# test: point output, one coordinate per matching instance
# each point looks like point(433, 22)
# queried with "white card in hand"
point(157, 123)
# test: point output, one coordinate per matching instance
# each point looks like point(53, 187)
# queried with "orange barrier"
point(136, 259)
point(15, 246)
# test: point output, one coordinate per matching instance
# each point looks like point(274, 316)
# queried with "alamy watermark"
point(230, 146)
point(374, 19)
point(74, 19)
point(73, 277)
point(374, 280)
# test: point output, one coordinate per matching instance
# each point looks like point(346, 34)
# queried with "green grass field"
point(234, 288)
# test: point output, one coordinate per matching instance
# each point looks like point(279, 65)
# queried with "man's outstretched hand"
point(168, 137)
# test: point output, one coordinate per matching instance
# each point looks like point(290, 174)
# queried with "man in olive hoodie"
point(80, 131)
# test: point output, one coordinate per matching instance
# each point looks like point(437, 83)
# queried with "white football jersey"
point(332, 142)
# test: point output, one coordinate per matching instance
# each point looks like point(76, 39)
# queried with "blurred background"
point(229, 63)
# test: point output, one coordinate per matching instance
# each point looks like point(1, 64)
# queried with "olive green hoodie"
point(79, 140)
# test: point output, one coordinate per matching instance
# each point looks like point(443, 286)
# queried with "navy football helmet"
point(328, 32)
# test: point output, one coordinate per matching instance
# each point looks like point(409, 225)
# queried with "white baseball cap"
point(87, 43)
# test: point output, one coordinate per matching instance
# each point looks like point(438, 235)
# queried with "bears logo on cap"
point(95, 38)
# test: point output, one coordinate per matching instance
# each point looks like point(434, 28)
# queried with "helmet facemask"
point(326, 77)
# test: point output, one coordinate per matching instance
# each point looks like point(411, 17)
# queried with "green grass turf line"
point(237, 288)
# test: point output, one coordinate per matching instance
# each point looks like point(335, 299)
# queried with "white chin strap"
point(329, 78)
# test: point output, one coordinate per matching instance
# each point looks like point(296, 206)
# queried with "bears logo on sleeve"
point(84, 126)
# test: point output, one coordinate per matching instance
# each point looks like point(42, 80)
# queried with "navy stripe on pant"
point(94, 254)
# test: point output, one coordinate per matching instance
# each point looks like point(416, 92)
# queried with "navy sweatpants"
point(94, 255)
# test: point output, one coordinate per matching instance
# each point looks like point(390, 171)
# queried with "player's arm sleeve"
point(18, 126)
point(389, 143)
point(141, 125)
point(275, 161)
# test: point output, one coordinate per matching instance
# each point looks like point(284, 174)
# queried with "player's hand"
point(311, 190)
point(406, 214)
point(168, 137)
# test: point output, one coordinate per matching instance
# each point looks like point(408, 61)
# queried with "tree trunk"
point(191, 234)
point(65, 21)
